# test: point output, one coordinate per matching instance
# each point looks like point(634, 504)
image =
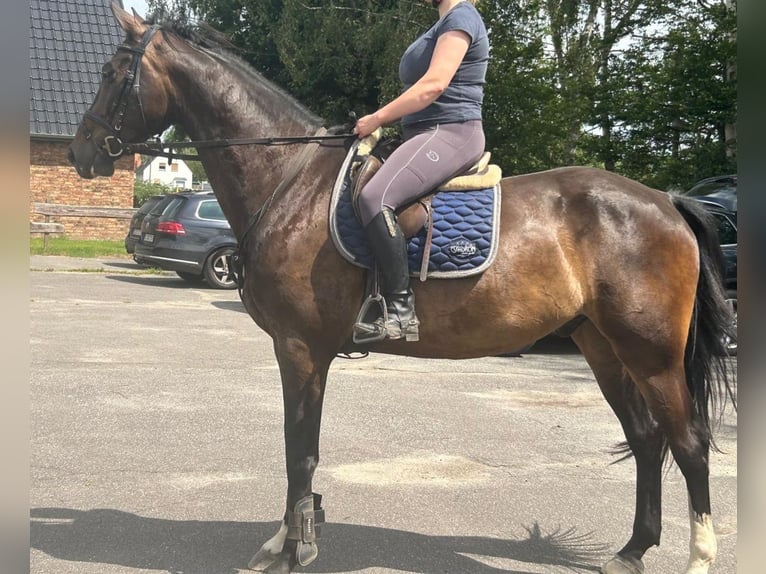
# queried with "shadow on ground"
point(127, 264)
point(554, 345)
point(230, 306)
point(108, 536)
point(169, 281)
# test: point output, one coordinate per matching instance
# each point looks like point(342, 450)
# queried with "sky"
point(139, 5)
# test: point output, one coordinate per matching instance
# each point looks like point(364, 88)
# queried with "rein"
point(115, 148)
point(313, 142)
point(157, 148)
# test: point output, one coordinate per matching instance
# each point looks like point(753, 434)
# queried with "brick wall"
point(52, 179)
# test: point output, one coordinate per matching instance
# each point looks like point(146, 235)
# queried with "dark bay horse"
point(637, 265)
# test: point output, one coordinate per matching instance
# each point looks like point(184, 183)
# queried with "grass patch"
point(77, 247)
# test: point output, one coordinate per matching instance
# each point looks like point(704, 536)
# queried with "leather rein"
point(115, 148)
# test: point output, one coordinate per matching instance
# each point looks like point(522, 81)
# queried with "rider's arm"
point(449, 51)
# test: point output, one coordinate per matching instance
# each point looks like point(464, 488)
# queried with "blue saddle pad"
point(465, 230)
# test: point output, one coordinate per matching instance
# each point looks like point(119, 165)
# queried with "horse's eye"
point(107, 72)
point(87, 134)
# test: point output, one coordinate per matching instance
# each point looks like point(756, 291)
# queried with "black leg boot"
point(390, 250)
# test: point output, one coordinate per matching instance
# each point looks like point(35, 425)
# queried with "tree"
point(676, 99)
point(643, 87)
point(143, 190)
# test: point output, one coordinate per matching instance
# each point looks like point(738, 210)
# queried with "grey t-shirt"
point(462, 99)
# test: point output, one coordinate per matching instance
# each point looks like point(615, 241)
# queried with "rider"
point(443, 73)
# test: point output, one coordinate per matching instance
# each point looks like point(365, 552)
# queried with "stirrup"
point(370, 332)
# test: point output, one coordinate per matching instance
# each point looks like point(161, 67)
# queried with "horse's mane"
point(215, 43)
point(197, 32)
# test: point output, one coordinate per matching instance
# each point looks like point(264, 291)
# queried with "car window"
point(168, 208)
point(712, 187)
point(718, 184)
point(161, 204)
point(210, 209)
point(147, 206)
point(727, 233)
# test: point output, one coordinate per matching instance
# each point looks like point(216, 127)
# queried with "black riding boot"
point(390, 250)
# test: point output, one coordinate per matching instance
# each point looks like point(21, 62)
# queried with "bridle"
point(114, 147)
point(112, 144)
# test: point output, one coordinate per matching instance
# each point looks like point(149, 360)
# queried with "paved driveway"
point(157, 447)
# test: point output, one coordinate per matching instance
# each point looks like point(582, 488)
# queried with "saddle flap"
point(412, 219)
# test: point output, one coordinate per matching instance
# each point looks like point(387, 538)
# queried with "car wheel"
point(730, 341)
point(218, 271)
point(189, 277)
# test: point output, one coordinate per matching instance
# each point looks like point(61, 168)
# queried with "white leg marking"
point(702, 543)
point(269, 552)
point(275, 544)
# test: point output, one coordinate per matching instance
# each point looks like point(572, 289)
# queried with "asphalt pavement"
point(157, 446)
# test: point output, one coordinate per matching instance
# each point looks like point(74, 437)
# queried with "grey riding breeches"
point(426, 159)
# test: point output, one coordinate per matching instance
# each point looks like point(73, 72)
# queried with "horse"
point(632, 272)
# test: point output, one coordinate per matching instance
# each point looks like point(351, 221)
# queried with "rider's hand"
point(366, 125)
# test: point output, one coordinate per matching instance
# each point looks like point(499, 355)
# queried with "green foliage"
point(674, 98)
point(642, 87)
point(143, 190)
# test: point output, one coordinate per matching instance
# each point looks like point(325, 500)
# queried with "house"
point(160, 170)
point(68, 44)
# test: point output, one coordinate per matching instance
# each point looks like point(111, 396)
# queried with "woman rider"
point(443, 74)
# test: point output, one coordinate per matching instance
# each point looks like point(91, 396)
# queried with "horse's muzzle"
point(90, 163)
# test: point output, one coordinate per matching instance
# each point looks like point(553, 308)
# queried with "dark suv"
point(134, 231)
point(719, 196)
point(188, 233)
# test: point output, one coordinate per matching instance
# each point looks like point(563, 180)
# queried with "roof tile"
point(68, 43)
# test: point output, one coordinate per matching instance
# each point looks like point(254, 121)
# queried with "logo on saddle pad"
point(462, 249)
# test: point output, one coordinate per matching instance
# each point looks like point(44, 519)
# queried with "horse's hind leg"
point(644, 438)
point(304, 375)
point(653, 353)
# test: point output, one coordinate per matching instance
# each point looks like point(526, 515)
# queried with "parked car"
point(134, 232)
point(719, 195)
point(188, 233)
point(727, 233)
point(720, 190)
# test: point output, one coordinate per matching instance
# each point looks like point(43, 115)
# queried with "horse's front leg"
point(304, 374)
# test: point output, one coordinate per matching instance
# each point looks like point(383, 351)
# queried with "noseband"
point(112, 144)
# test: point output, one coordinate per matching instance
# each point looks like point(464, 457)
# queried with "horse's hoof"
point(262, 560)
point(281, 566)
point(623, 565)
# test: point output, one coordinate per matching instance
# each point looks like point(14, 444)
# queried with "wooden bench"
point(52, 209)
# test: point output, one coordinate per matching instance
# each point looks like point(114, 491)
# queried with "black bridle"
point(112, 144)
point(114, 147)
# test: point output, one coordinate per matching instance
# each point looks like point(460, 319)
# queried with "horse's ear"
point(137, 16)
point(132, 24)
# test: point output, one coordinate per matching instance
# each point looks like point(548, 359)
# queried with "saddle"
point(451, 232)
point(370, 155)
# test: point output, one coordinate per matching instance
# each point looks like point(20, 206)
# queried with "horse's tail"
point(708, 374)
point(708, 371)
